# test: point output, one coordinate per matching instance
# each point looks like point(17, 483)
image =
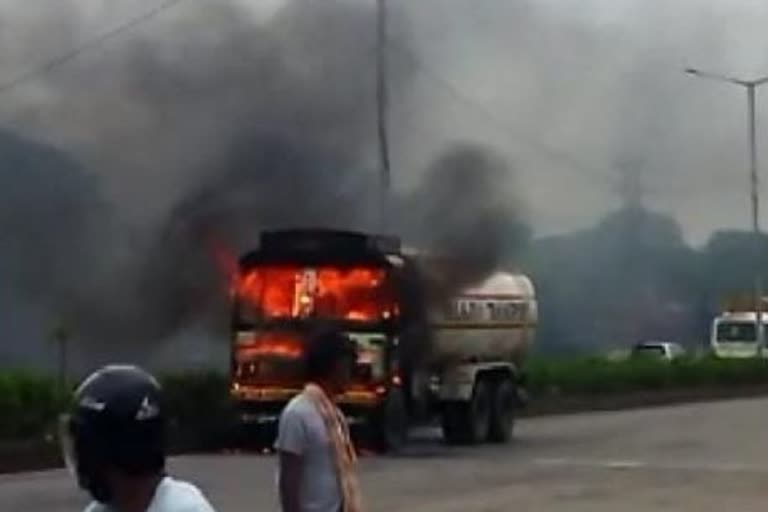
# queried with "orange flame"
point(271, 345)
point(225, 259)
point(360, 294)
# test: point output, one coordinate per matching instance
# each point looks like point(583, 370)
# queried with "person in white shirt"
point(114, 444)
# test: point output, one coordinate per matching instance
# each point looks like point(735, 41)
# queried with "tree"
point(631, 276)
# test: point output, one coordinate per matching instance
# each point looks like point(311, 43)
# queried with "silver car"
point(664, 350)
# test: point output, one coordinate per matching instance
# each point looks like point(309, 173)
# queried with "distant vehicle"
point(734, 335)
point(734, 330)
point(664, 350)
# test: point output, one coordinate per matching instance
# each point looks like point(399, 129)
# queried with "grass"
point(201, 413)
point(29, 405)
point(198, 406)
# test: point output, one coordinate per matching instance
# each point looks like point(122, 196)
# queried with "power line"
point(445, 83)
point(568, 160)
point(90, 44)
point(462, 97)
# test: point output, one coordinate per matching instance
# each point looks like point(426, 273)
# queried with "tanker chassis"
point(456, 358)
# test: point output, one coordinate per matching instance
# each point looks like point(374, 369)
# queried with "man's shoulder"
point(299, 423)
point(96, 507)
point(180, 496)
point(172, 496)
point(299, 405)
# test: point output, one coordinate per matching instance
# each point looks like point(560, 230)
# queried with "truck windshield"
point(293, 292)
point(732, 332)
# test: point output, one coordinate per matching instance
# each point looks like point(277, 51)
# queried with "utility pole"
point(631, 186)
point(631, 190)
point(750, 86)
point(61, 337)
point(382, 105)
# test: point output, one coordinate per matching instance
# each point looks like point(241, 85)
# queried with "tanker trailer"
point(479, 337)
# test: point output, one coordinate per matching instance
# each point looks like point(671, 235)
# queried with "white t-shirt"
point(302, 431)
point(170, 496)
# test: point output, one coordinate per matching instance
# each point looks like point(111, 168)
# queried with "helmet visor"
point(66, 439)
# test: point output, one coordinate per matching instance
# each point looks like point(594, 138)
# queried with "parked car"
point(664, 350)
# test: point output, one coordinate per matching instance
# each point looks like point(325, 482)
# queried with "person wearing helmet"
point(114, 444)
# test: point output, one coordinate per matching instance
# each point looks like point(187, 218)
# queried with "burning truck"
point(425, 350)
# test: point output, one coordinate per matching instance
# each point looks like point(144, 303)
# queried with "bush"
point(29, 405)
point(601, 376)
point(201, 413)
point(199, 408)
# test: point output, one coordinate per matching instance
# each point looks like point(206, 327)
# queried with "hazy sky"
point(598, 82)
point(567, 89)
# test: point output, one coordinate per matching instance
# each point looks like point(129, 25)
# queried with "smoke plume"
point(206, 127)
point(466, 210)
point(211, 121)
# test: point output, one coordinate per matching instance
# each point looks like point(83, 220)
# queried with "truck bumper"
point(267, 414)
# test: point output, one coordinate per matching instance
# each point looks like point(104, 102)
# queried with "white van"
point(734, 335)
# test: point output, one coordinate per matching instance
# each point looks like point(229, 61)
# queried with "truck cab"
point(294, 280)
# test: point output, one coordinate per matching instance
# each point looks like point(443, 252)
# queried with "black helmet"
point(117, 421)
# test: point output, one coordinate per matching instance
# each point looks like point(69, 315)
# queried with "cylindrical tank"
point(492, 321)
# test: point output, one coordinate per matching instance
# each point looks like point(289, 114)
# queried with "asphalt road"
point(698, 457)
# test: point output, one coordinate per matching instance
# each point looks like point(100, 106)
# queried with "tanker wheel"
point(389, 424)
point(451, 423)
point(468, 423)
point(502, 412)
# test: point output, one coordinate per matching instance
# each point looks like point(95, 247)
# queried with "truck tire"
point(389, 424)
point(452, 424)
point(502, 412)
point(468, 422)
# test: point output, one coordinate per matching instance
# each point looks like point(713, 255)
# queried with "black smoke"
point(466, 212)
point(209, 126)
point(54, 242)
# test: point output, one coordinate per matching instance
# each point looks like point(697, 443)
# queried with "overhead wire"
point(460, 96)
point(90, 44)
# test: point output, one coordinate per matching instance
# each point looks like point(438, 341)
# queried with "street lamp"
point(750, 86)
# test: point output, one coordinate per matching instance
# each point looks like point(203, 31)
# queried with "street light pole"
point(754, 185)
point(754, 181)
point(750, 86)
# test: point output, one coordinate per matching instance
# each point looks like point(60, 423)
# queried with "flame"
point(225, 259)
point(358, 294)
point(277, 345)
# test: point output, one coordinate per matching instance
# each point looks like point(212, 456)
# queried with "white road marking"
point(626, 464)
point(717, 467)
point(34, 475)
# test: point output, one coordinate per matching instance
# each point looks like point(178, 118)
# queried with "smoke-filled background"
point(202, 130)
point(125, 169)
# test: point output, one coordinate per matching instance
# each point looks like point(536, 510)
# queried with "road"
point(696, 457)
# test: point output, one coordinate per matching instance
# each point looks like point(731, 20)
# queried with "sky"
point(583, 100)
point(569, 91)
point(597, 83)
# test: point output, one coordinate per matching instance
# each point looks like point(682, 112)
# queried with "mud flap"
point(523, 397)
